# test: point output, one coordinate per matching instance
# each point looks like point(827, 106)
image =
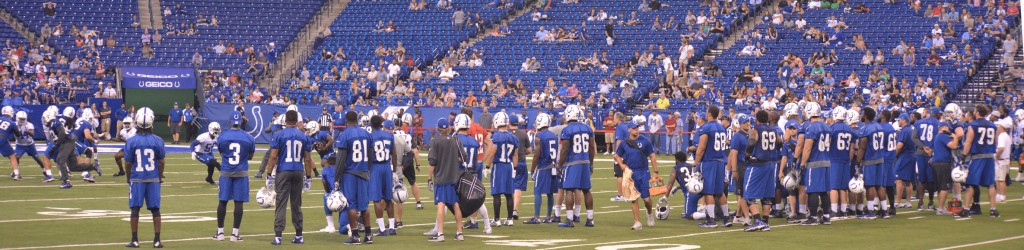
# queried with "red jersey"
point(478, 133)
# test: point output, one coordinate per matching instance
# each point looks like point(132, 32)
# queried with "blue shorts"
point(759, 181)
point(544, 182)
point(381, 182)
point(148, 192)
point(52, 154)
point(519, 176)
point(874, 174)
point(817, 180)
point(5, 149)
point(205, 158)
point(445, 193)
point(839, 175)
point(714, 177)
point(233, 188)
point(925, 173)
point(576, 177)
point(889, 173)
point(26, 150)
point(80, 147)
point(356, 191)
point(501, 179)
point(327, 156)
point(327, 175)
point(692, 201)
point(982, 172)
point(905, 170)
point(1015, 154)
point(641, 181)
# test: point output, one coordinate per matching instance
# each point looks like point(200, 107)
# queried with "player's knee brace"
point(767, 201)
point(751, 202)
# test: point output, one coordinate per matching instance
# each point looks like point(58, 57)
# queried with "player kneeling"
point(202, 150)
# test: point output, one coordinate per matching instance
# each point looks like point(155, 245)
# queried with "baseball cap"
point(1005, 123)
point(904, 117)
point(743, 119)
point(792, 124)
point(702, 115)
point(236, 118)
point(389, 124)
point(513, 120)
point(175, 103)
point(935, 110)
point(632, 125)
point(443, 123)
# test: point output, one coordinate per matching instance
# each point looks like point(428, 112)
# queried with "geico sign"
point(149, 84)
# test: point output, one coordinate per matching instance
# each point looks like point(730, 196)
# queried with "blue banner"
point(158, 78)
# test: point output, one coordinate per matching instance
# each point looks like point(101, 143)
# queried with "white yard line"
point(983, 242)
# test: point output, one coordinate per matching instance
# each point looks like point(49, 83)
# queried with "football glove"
point(487, 172)
point(194, 156)
point(270, 181)
point(664, 199)
point(307, 184)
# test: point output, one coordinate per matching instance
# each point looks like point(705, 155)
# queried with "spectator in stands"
point(448, 73)
point(146, 38)
point(110, 92)
point(148, 51)
point(197, 59)
point(458, 18)
point(219, 48)
point(50, 9)
point(909, 56)
point(934, 59)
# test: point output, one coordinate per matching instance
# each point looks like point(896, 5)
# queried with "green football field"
point(95, 216)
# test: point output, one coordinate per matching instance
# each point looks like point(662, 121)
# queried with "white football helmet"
point(214, 129)
point(543, 121)
point(662, 211)
point(292, 107)
point(407, 119)
point(391, 116)
point(53, 108)
point(953, 112)
point(266, 197)
point(69, 112)
point(959, 174)
point(768, 106)
point(400, 195)
point(856, 184)
point(839, 113)
point(500, 119)
point(852, 116)
point(144, 118)
point(312, 127)
point(371, 113)
point(87, 114)
point(791, 180)
point(574, 113)
point(792, 109)
point(336, 201)
point(812, 109)
point(364, 121)
point(127, 121)
point(462, 121)
point(1019, 114)
point(695, 183)
point(21, 117)
point(49, 115)
point(8, 111)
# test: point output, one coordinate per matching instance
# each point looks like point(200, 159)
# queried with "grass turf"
point(94, 216)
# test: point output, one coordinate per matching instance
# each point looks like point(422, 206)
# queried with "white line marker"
point(983, 242)
point(959, 219)
point(915, 217)
point(1011, 220)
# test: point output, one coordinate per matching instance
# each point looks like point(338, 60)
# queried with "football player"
point(520, 173)
point(760, 175)
point(737, 164)
point(202, 150)
point(277, 124)
point(542, 168)
point(290, 149)
point(871, 156)
point(84, 131)
point(889, 164)
point(680, 173)
point(926, 129)
point(789, 164)
point(469, 145)
point(906, 147)
point(8, 131)
point(576, 159)
point(634, 153)
point(479, 134)
point(980, 148)
point(840, 151)
point(503, 155)
point(127, 132)
point(815, 158)
point(236, 149)
point(621, 132)
point(26, 144)
point(382, 167)
point(407, 155)
point(351, 175)
point(411, 162)
point(64, 147)
point(710, 158)
point(145, 171)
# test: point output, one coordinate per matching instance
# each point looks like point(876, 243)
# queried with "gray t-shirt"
point(486, 120)
point(524, 143)
point(446, 157)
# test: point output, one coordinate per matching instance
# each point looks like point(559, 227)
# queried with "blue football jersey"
point(906, 136)
point(739, 143)
point(984, 137)
point(144, 150)
point(80, 126)
point(470, 146)
point(548, 150)
point(941, 153)
point(578, 135)
point(843, 137)
point(235, 146)
point(506, 144)
point(717, 145)
point(355, 141)
point(876, 141)
point(7, 128)
point(768, 139)
point(821, 134)
point(890, 141)
point(926, 129)
point(383, 143)
point(321, 136)
point(291, 145)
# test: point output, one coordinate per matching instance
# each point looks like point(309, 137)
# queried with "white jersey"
point(403, 143)
point(206, 144)
point(126, 133)
point(25, 139)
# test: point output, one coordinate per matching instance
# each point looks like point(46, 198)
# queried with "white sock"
point(568, 214)
point(778, 206)
point(844, 207)
point(578, 209)
point(16, 172)
point(804, 209)
point(876, 200)
point(48, 172)
point(85, 173)
point(710, 209)
point(871, 205)
point(234, 231)
point(380, 223)
point(725, 209)
point(485, 216)
point(330, 221)
point(590, 214)
point(835, 207)
point(558, 211)
point(884, 205)
point(220, 230)
point(860, 207)
point(391, 222)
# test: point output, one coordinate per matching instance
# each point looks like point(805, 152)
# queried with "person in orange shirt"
point(670, 127)
point(470, 101)
point(609, 136)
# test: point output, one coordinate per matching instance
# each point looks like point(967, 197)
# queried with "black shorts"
point(617, 171)
point(174, 128)
point(409, 168)
point(741, 169)
point(943, 175)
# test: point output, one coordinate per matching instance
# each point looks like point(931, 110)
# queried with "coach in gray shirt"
point(445, 160)
point(486, 120)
